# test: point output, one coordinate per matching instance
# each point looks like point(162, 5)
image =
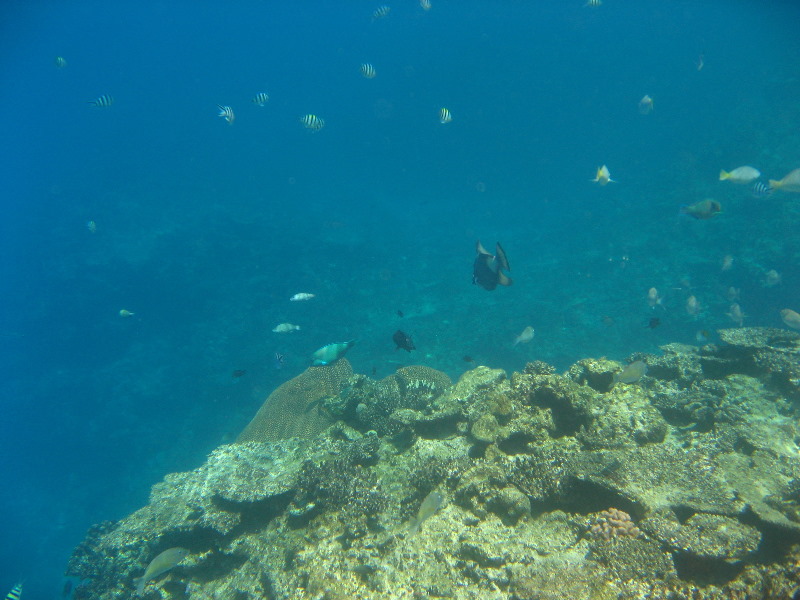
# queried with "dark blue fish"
point(280, 360)
point(487, 271)
point(761, 190)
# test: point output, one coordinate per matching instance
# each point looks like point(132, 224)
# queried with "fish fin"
point(774, 184)
point(139, 581)
point(501, 257)
point(503, 279)
point(480, 249)
point(723, 175)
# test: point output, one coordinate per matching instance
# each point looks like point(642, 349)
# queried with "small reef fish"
point(653, 297)
point(772, 278)
point(702, 336)
point(126, 313)
point(594, 3)
point(487, 271)
point(740, 175)
point(444, 116)
point(733, 293)
point(403, 340)
point(727, 263)
point(368, 71)
point(301, 296)
point(432, 503)
point(381, 12)
point(761, 190)
point(61, 62)
point(15, 593)
point(603, 176)
point(700, 62)
point(425, 4)
point(261, 98)
point(226, 112)
point(103, 101)
point(67, 589)
point(790, 183)
point(312, 122)
point(330, 353)
point(239, 373)
point(646, 105)
point(692, 306)
point(91, 226)
point(524, 337)
point(632, 373)
point(653, 322)
point(702, 210)
point(736, 315)
point(160, 564)
point(286, 328)
point(279, 360)
point(790, 318)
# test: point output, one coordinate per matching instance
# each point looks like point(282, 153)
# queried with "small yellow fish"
point(740, 175)
point(524, 337)
point(790, 318)
point(312, 122)
point(226, 112)
point(368, 71)
point(160, 564)
point(286, 328)
point(646, 105)
point(603, 176)
point(126, 313)
point(61, 62)
point(445, 116)
point(790, 183)
point(302, 296)
point(261, 98)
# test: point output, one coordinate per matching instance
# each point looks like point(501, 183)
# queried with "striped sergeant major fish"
point(15, 593)
point(761, 190)
point(226, 112)
point(381, 12)
point(261, 98)
point(312, 122)
point(445, 116)
point(368, 71)
point(104, 101)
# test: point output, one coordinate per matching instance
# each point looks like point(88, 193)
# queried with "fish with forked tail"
point(487, 271)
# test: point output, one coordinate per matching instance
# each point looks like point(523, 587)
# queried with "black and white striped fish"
point(445, 116)
point(15, 593)
point(312, 122)
point(761, 190)
point(381, 12)
point(226, 112)
point(104, 101)
point(261, 98)
point(368, 71)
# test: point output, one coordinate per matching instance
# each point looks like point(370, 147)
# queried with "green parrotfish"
point(330, 353)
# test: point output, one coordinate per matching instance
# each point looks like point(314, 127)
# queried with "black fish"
point(239, 373)
point(404, 341)
point(400, 314)
point(67, 590)
point(653, 322)
point(487, 271)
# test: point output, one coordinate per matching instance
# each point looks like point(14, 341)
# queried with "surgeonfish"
point(301, 296)
point(381, 12)
point(160, 564)
point(261, 98)
point(330, 353)
point(226, 112)
point(603, 176)
point(61, 62)
point(702, 210)
point(790, 183)
point(524, 337)
point(286, 328)
point(427, 509)
point(487, 270)
point(368, 71)
point(631, 373)
point(740, 175)
point(103, 101)
point(646, 105)
point(312, 122)
point(126, 313)
point(445, 116)
point(790, 318)
point(15, 593)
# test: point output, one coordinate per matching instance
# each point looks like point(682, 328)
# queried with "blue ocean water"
point(204, 230)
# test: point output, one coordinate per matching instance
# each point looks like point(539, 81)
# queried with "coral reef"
point(683, 485)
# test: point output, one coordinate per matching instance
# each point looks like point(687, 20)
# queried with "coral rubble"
point(685, 484)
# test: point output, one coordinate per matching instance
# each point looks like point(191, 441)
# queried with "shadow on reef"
point(685, 484)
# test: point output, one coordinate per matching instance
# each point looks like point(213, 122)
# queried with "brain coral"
point(295, 408)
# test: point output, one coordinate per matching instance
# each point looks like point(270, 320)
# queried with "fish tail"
point(723, 175)
point(774, 184)
point(503, 279)
point(139, 581)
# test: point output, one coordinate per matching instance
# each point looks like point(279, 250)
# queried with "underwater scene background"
point(203, 230)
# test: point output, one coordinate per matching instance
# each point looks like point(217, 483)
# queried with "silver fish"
point(160, 564)
point(330, 353)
